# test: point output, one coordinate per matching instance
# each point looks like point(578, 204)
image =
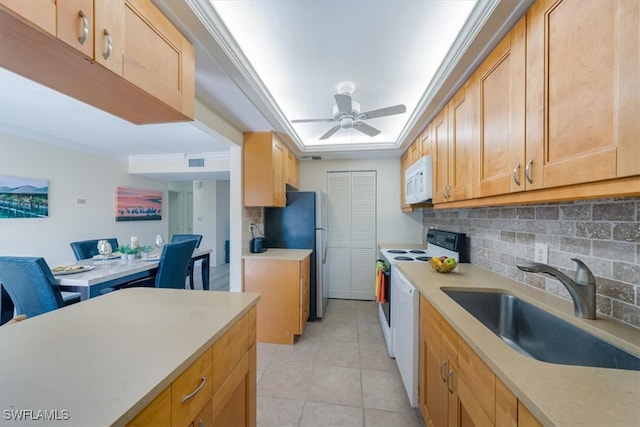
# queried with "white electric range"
point(399, 313)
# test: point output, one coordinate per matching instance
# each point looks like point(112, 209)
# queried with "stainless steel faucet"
point(582, 289)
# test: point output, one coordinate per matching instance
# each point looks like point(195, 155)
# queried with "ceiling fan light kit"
point(347, 113)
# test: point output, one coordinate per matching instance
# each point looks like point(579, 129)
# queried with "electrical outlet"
point(542, 253)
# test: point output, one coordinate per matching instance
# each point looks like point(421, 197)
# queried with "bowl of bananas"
point(443, 264)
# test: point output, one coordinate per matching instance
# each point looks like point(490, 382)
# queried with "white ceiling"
point(261, 64)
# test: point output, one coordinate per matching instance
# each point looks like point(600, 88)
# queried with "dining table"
point(92, 276)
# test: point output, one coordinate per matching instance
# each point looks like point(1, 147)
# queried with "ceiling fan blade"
point(365, 128)
point(312, 120)
point(344, 103)
point(330, 132)
point(388, 111)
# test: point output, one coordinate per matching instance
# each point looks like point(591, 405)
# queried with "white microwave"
point(417, 181)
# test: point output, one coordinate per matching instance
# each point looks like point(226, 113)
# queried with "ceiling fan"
point(347, 113)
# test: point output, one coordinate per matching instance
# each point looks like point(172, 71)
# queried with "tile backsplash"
point(251, 215)
point(605, 234)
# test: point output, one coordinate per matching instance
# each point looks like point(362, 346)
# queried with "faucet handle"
point(584, 276)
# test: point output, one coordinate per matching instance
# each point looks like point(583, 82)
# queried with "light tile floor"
point(338, 373)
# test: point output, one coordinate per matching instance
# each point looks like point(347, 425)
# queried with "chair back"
point(30, 284)
point(86, 249)
point(173, 265)
point(183, 237)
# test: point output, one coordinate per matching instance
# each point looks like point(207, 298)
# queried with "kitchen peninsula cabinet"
point(264, 169)
point(121, 56)
point(281, 277)
point(147, 357)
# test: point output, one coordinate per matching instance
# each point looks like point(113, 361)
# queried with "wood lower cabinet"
point(121, 56)
point(264, 169)
point(456, 388)
point(218, 389)
point(283, 309)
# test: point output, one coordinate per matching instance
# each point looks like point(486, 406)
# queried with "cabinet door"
point(204, 418)
point(304, 293)
point(230, 403)
point(404, 164)
point(583, 97)
point(109, 34)
point(501, 92)
point(440, 148)
point(42, 13)
point(278, 183)
point(462, 164)
point(156, 413)
point(157, 58)
point(415, 150)
point(293, 170)
point(74, 21)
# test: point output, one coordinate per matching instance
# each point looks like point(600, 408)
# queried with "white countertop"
point(281, 254)
point(556, 394)
point(103, 360)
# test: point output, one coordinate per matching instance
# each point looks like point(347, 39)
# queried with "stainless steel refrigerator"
point(302, 224)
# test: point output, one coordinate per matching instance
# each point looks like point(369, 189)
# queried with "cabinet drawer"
point(191, 390)
point(229, 349)
point(157, 413)
point(478, 379)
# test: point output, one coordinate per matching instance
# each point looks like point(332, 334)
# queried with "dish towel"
point(381, 268)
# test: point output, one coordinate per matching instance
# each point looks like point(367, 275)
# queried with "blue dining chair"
point(31, 286)
point(174, 263)
point(182, 238)
point(86, 249)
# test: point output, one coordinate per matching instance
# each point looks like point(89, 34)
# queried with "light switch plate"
point(542, 253)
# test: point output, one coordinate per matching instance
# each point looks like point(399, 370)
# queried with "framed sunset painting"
point(134, 204)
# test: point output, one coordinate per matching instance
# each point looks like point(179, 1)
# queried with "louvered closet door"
point(352, 234)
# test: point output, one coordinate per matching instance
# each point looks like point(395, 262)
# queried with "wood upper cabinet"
point(283, 309)
point(415, 150)
point(583, 96)
point(263, 169)
point(133, 43)
point(157, 57)
point(501, 93)
point(440, 150)
point(293, 170)
point(404, 164)
point(42, 13)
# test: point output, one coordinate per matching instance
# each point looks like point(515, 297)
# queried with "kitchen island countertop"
point(101, 361)
point(556, 394)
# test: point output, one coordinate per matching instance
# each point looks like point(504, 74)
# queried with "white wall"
point(394, 226)
point(72, 175)
point(204, 215)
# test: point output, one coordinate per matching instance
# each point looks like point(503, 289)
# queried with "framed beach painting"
point(134, 204)
point(23, 197)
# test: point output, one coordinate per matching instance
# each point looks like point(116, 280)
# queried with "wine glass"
point(159, 241)
point(104, 248)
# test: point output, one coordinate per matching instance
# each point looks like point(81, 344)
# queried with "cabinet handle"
point(109, 48)
point(201, 423)
point(85, 27)
point(516, 173)
point(194, 392)
point(449, 385)
point(527, 171)
point(443, 367)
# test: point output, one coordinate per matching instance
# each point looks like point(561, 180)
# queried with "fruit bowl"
point(443, 266)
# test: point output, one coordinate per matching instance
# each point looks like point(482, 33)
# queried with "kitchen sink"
point(540, 335)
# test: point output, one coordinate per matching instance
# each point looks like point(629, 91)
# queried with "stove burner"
point(403, 258)
point(397, 251)
point(417, 251)
point(423, 258)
